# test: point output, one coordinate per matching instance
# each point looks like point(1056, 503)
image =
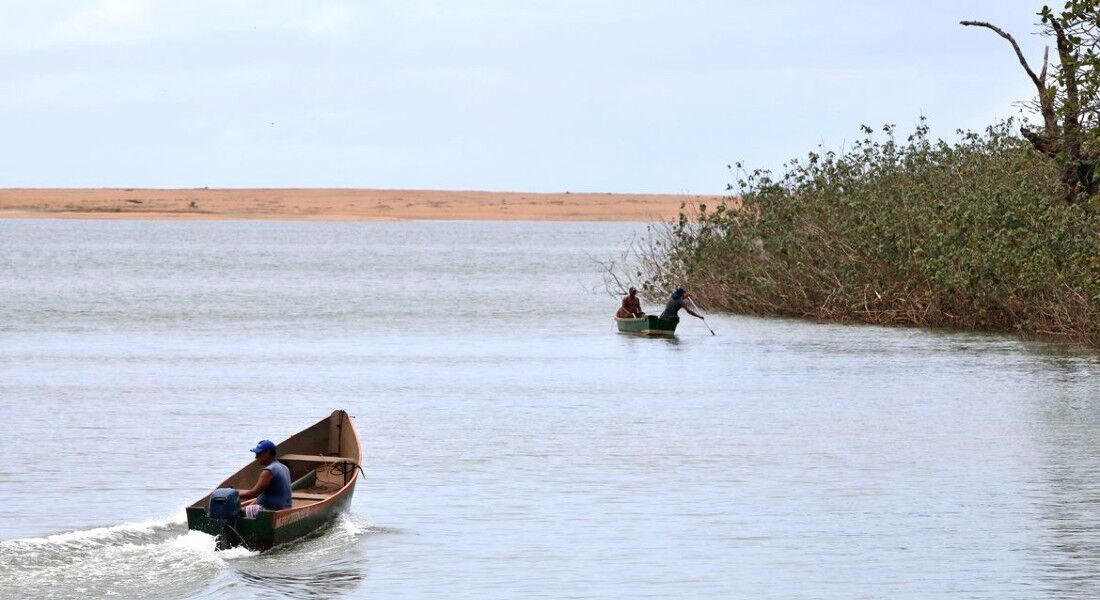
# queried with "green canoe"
point(324, 464)
point(648, 325)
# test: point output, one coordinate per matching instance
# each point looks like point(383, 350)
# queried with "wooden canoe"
point(649, 325)
point(324, 464)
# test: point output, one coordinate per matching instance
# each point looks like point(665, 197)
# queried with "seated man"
point(632, 307)
point(675, 303)
point(272, 490)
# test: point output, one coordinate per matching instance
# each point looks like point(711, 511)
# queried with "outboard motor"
point(224, 508)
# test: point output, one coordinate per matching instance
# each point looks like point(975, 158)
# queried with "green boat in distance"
point(648, 325)
point(324, 466)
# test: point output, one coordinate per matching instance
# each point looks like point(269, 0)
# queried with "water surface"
point(515, 445)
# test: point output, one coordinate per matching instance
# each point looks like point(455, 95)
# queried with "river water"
point(515, 445)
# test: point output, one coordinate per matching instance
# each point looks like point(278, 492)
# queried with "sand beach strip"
point(337, 204)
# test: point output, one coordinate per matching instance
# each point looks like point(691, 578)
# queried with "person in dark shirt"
point(272, 490)
point(632, 307)
point(675, 303)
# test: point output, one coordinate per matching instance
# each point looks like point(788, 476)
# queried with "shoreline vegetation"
point(336, 204)
point(975, 234)
point(998, 230)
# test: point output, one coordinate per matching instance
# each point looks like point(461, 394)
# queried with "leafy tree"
point(1069, 97)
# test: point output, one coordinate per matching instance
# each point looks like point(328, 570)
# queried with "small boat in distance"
point(324, 461)
point(648, 325)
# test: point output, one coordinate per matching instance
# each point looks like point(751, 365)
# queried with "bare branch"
point(1046, 63)
point(1039, 83)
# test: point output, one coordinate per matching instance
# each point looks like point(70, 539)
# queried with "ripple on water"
point(528, 449)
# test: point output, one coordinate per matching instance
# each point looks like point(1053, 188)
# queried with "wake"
point(159, 558)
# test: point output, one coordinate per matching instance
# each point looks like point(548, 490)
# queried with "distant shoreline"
point(336, 204)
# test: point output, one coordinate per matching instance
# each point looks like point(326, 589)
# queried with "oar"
point(698, 310)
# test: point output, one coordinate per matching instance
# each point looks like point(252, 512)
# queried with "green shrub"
point(972, 234)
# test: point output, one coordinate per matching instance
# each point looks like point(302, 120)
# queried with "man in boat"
point(272, 489)
point(632, 307)
point(675, 303)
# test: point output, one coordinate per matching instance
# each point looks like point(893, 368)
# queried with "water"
point(515, 445)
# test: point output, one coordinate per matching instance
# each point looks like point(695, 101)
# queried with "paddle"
point(698, 310)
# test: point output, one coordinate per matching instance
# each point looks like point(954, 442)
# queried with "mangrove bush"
point(995, 230)
point(972, 234)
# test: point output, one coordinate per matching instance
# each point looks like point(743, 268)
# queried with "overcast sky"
point(591, 95)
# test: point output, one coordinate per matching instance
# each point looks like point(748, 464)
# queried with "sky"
point(555, 95)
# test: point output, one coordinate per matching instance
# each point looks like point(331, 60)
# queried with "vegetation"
point(999, 230)
point(973, 234)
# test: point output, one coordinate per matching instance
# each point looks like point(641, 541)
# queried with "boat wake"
point(164, 559)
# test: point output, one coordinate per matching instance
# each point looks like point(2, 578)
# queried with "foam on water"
point(157, 558)
point(124, 560)
point(97, 535)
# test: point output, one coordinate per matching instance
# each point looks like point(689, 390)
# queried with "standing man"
point(272, 490)
point(675, 303)
point(632, 307)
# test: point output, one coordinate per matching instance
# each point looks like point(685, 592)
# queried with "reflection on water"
point(516, 445)
point(1068, 420)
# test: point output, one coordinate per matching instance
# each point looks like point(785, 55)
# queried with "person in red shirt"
point(632, 307)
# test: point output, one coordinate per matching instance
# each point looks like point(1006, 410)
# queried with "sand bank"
point(336, 204)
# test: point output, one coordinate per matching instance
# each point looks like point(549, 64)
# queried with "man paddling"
point(272, 489)
point(632, 307)
point(675, 303)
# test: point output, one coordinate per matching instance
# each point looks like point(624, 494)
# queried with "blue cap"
point(264, 446)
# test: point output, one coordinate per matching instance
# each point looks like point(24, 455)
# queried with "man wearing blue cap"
point(272, 490)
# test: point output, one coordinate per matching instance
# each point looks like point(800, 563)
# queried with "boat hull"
point(649, 325)
point(269, 528)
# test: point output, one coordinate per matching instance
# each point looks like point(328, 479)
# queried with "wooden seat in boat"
point(307, 496)
point(316, 458)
